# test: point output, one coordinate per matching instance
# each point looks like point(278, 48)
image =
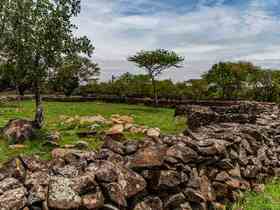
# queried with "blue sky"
point(203, 31)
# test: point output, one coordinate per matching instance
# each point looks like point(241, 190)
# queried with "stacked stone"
point(207, 169)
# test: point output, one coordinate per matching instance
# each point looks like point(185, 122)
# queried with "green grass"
point(268, 200)
point(152, 117)
point(149, 116)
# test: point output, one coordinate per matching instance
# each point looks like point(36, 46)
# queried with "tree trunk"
point(39, 116)
point(21, 90)
point(155, 91)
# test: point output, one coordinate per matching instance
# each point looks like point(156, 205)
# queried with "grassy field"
point(152, 117)
point(268, 200)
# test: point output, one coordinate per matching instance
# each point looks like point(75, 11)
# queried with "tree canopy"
point(35, 36)
point(155, 62)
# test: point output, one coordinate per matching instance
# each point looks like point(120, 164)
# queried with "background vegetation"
point(224, 81)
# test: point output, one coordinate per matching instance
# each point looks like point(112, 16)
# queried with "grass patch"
point(268, 200)
point(152, 117)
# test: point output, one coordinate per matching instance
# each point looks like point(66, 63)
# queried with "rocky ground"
point(207, 168)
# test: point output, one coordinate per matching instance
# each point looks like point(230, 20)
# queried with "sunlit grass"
point(152, 117)
point(268, 200)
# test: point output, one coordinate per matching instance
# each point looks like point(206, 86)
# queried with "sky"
point(203, 31)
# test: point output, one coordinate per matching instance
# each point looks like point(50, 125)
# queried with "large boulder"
point(148, 157)
point(18, 130)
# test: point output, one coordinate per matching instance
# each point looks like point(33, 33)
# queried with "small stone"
point(149, 203)
point(116, 129)
point(114, 190)
point(109, 207)
point(194, 196)
point(185, 154)
point(218, 206)
point(185, 206)
point(82, 145)
point(258, 188)
point(128, 126)
point(153, 132)
point(131, 147)
point(17, 146)
point(174, 201)
point(92, 119)
point(93, 201)
point(54, 137)
point(114, 145)
point(168, 179)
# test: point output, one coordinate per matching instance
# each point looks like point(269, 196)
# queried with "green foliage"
point(74, 71)
point(36, 35)
point(155, 62)
point(226, 78)
point(268, 200)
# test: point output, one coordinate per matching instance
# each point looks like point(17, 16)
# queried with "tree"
point(227, 77)
point(74, 71)
point(35, 35)
point(199, 88)
point(19, 81)
point(155, 62)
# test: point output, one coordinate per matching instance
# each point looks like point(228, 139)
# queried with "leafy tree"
point(155, 62)
point(36, 35)
point(73, 72)
point(5, 81)
point(227, 77)
point(199, 88)
point(9, 77)
point(265, 85)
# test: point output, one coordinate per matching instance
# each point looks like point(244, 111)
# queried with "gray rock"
point(19, 130)
point(185, 154)
point(61, 195)
point(93, 200)
point(13, 199)
point(114, 190)
point(149, 203)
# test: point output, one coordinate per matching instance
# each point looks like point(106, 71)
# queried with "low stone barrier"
point(205, 170)
point(167, 103)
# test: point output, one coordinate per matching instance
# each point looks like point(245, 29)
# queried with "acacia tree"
point(155, 62)
point(35, 35)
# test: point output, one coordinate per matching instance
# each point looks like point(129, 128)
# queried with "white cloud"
point(204, 35)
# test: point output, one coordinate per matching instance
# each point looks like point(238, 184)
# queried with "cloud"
point(203, 31)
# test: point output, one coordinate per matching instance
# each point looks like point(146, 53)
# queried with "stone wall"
point(204, 170)
point(168, 103)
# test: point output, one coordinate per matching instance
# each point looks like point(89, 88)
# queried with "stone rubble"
point(206, 169)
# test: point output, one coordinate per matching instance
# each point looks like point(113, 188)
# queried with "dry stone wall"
point(205, 169)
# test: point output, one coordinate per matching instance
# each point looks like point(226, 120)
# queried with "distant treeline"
point(225, 81)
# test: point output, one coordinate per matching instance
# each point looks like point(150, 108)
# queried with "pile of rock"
point(198, 116)
point(205, 170)
point(118, 124)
